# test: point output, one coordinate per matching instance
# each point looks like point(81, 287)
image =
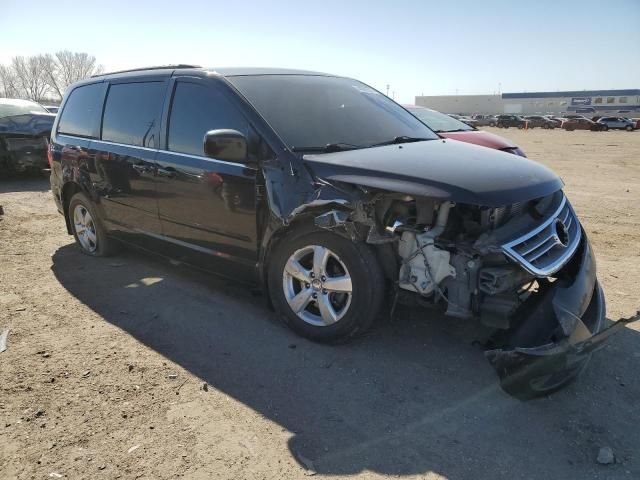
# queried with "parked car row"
point(568, 122)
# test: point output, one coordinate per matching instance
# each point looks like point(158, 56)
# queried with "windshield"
point(10, 107)
point(312, 111)
point(439, 122)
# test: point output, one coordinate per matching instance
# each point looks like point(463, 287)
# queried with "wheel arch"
point(307, 222)
point(274, 234)
point(69, 189)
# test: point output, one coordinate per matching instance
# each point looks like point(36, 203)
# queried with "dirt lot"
point(130, 367)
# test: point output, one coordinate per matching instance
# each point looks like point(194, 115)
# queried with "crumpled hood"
point(440, 169)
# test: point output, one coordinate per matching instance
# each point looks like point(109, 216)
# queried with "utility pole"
point(388, 89)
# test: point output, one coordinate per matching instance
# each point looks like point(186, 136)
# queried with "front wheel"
point(629, 128)
point(604, 128)
point(325, 287)
point(492, 124)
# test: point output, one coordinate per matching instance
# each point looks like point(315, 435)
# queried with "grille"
point(500, 215)
point(544, 250)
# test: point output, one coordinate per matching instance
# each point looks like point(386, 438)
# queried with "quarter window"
point(195, 110)
point(132, 113)
point(81, 113)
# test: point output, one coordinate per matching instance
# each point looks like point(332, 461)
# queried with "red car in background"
point(449, 127)
point(571, 124)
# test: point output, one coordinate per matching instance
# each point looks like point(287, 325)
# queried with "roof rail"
point(159, 67)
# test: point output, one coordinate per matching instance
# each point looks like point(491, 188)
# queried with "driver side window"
point(196, 109)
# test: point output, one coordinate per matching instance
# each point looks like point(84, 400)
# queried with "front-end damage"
point(525, 270)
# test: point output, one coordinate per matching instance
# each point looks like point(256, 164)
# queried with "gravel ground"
point(130, 367)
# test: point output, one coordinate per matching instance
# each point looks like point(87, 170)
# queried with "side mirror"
point(225, 144)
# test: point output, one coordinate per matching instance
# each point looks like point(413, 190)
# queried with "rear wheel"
point(86, 227)
point(628, 128)
point(604, 128)
point(325, 287)
point(492, 124)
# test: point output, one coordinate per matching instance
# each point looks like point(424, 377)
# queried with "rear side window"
point(132, 113)
point(195, 110)
point(81, 113)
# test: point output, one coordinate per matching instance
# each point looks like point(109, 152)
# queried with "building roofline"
point(573, 93)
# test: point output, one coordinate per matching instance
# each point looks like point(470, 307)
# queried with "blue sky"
point(416, 47)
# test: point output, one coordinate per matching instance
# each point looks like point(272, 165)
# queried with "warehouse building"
point(588, 102)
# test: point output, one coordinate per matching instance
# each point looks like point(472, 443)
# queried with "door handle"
point(168, 172)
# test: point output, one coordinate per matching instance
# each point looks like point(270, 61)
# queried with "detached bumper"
point(572, 311)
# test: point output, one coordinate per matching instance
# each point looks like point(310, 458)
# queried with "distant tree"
point(40, 76)
point(31, 77)
point(8, 83)
point(66, 67)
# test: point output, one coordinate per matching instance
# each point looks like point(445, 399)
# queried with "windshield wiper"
point(328, 148)
point(400, 139)
point(455, 130)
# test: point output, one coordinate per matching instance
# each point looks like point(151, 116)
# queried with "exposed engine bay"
point(443, 259)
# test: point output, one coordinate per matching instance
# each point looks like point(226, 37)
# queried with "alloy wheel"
point(317, 285)
point(85, 228)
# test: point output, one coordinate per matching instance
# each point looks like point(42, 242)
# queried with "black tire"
point(104, 246)
point(545, 126)
point(629, 128)
point(366, 278)
point(604, 128)
point(520, 126)
point(492, 124)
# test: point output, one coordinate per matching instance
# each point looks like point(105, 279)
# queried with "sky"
point(415, 47)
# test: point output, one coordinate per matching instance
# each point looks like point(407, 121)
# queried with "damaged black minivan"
point(335, 200)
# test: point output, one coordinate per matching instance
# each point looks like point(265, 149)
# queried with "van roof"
point(224, 71)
